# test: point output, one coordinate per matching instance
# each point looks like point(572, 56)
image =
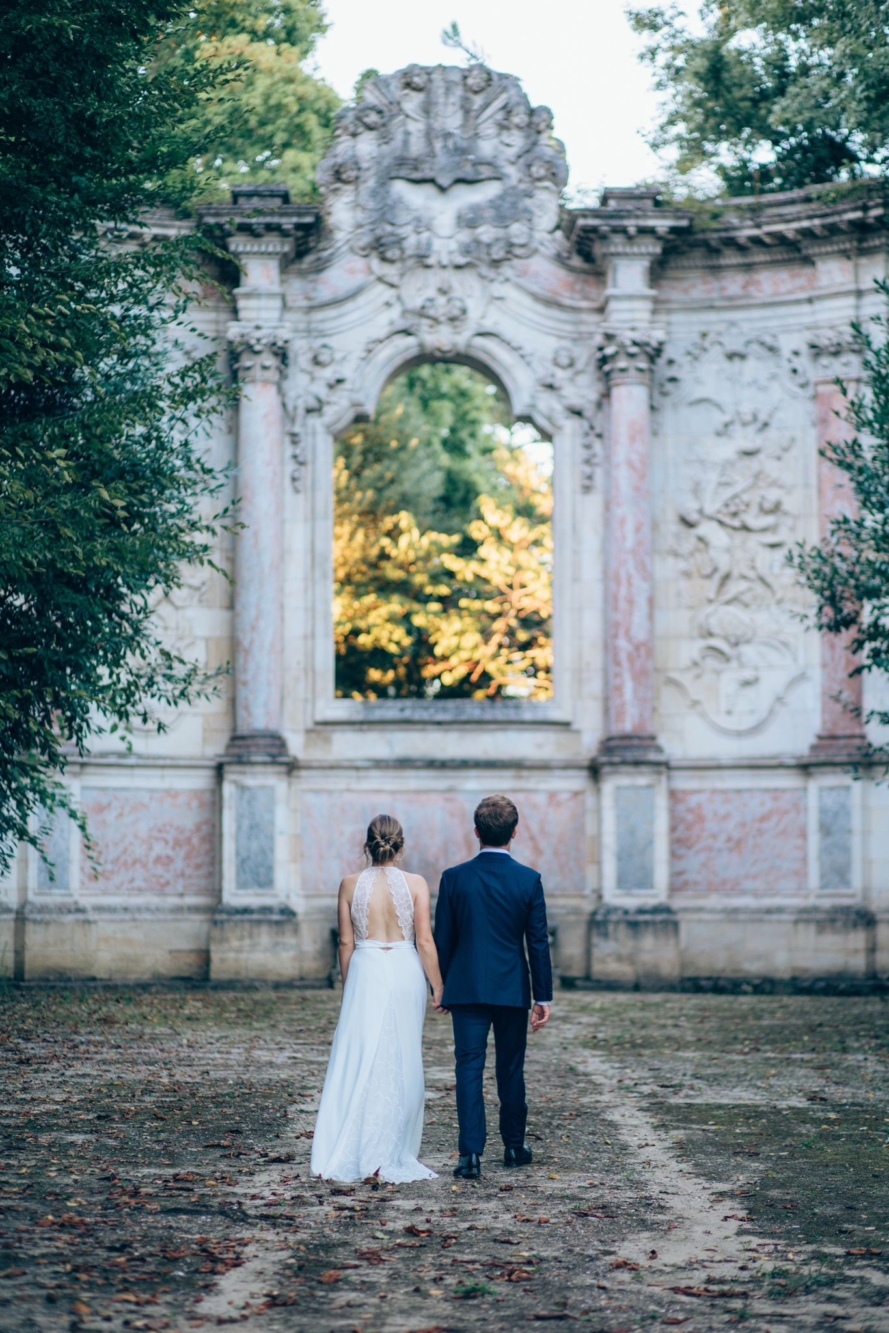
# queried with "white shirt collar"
point(504, 851)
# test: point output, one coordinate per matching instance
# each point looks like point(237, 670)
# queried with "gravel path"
point(700, 1162)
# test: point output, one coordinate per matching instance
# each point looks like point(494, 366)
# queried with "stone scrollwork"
point(442, 314)
point(298, 461)
point(445, 167)
point(590, 452)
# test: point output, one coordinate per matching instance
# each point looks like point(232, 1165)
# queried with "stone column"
point(842, 730)
point(626, 358)
point(259, 345)
point(255, 931)
point(635, 935)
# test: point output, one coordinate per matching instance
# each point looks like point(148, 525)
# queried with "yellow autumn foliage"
point(431, 614)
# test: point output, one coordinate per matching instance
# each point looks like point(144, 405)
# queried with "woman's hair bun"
point(385, 839)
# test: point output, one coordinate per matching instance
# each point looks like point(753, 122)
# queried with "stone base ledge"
point(256, 745)
point(630, 749)
point(840, 749)
point(652, 947)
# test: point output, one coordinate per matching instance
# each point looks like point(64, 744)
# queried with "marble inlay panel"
point(744, 842)
point(634, 811)
point(56, 876)
point(835, 837)
point(150, 842)
point(255, 837)
point(439, 833)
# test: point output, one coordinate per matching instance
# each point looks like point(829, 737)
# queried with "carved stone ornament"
point(445, 166)
point(259, 353)
point(836, 354)
point(739, 490)
point(628, 355)
point(298, 461)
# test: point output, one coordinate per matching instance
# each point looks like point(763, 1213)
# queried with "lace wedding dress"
point(370, 1120)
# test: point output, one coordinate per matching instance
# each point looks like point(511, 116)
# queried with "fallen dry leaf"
point(332, 1275)
point(712, 1292)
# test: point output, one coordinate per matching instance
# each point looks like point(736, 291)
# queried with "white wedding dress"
point(370, 1120)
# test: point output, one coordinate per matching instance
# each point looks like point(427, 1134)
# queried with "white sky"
point(576, 56)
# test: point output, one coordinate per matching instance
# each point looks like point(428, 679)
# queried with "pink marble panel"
point(438, 832)
point(836, 497)
point(738, 842)
point(721, 285)
point(630, 638)
point(153, 843)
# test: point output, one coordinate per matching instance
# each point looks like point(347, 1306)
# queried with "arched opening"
point(443, 545)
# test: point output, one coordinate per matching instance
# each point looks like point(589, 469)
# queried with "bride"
point(370, 1120)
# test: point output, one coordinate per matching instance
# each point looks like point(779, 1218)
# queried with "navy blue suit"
point(488, 910)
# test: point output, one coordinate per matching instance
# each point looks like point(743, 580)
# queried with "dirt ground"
point(700, 1161)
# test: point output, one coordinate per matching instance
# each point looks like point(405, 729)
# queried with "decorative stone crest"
point(445, 166)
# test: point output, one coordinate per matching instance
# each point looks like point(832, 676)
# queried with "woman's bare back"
point(382, 916)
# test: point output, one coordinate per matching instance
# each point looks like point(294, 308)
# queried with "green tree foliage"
point(848, 572)
point(772, 94)
point(265, 117)
point(430, 447)
point(104, 487)
point(443, 547)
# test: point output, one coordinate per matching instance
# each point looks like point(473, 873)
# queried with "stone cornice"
point(777, 228)
point(769, 228)
point(262, 210)
point(626, 221)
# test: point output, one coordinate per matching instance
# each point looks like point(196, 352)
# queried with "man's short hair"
point(496, 819)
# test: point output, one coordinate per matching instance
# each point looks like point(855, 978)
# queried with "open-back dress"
point(370, 1121)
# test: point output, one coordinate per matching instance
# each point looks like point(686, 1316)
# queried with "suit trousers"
point(472, 1023)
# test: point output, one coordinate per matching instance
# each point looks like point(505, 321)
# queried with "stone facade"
point(688, 792)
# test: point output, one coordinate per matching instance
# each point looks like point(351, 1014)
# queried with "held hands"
point(436, 1000)
point(539, 1017)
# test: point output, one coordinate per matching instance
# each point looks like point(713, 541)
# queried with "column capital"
point(258, 353)
point(268, 245)
point(626, 356)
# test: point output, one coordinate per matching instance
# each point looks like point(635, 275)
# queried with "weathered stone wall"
point(688, 793)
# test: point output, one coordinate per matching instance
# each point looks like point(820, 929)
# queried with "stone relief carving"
point(835, 353)
point(734, 523)
point(567, 384)
point(445, 167)
point(685, 373)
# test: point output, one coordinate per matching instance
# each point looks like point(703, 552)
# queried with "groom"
point(487, 909)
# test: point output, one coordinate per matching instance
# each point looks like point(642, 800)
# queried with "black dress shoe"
point(469, 1167)
point(517, 1156)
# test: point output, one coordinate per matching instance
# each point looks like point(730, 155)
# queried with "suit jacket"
point(487, 909)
